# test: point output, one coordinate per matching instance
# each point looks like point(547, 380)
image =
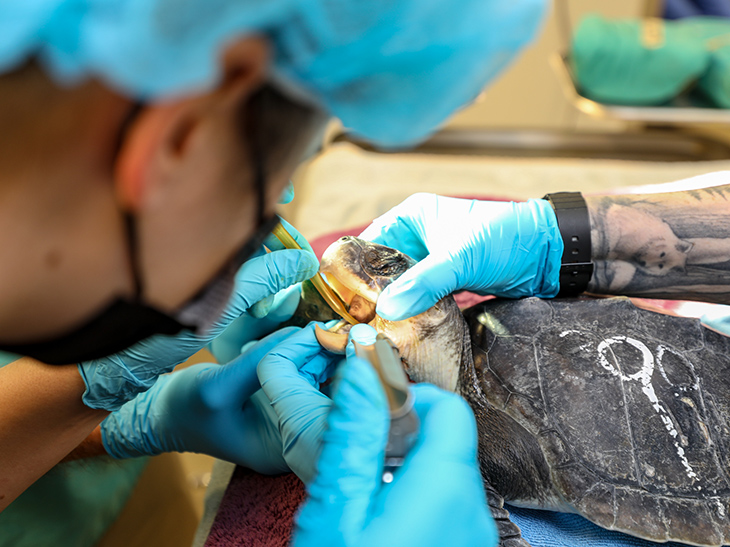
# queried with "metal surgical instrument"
point(330, 296)
point(404, 422)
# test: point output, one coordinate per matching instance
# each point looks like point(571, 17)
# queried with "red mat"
point(256, 510)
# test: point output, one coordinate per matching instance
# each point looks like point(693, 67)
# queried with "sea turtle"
point(591, 406)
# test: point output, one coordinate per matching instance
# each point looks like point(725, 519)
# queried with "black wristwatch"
point(574, 223)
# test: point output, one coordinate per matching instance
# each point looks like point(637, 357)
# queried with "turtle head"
point(431, 343)
point(359, 270)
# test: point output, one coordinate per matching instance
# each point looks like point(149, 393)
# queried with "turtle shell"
point(630, 408)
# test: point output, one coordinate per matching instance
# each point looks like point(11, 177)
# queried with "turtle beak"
point(334, 339)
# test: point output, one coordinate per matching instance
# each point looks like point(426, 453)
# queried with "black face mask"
point(127, 321)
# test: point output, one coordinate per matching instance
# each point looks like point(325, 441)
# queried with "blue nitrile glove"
point(290, 378)
point(718, 319)
point(217, 410)
point(435, 499)
point(264, 316)
point(227, 345)
point(114, 380)
point(488, 247)
point(261, 308)
point(287, 196)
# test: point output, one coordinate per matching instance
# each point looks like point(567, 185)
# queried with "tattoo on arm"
point(674, 245)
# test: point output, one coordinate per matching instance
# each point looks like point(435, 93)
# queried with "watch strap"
point(576, 268)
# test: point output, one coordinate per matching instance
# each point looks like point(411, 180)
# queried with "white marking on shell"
point(644, 376)
point(660, 351)
point(720, 508)
point(582, 347)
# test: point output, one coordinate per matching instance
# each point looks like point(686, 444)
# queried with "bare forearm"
point(674, 245)
point(42, 419)
point(90, 447)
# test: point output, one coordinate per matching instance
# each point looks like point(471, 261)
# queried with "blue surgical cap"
point(391, 70)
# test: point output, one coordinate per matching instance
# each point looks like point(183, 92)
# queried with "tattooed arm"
point(674, 245)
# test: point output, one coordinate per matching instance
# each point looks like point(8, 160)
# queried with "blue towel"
point(550, 529)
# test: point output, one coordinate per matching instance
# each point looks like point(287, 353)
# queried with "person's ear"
point(156, 144)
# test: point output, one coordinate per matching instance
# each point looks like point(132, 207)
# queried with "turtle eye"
point(384, 262)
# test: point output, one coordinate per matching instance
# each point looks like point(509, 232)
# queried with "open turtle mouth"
point(359, 306)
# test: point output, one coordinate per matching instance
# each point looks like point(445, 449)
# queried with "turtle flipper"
point(509, 533)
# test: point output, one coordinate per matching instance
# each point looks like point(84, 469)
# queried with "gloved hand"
point(436, 498)
point(287, 196)
point(501, 248)
point(219, 409)
point(718, 319)
point(264, 316)
point(114, 380)
point(290, 377)
point(227, 345)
